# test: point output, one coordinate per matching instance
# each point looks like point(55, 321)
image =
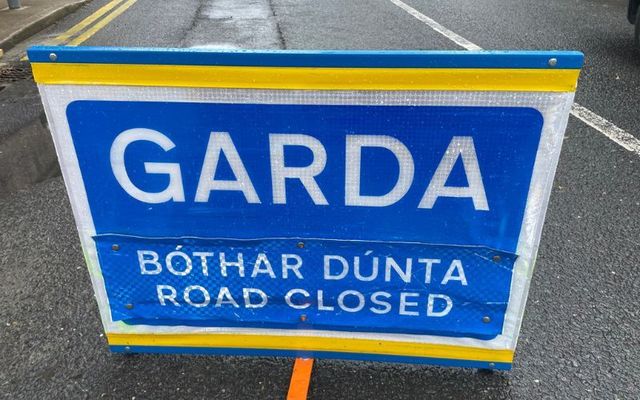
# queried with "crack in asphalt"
point(281, 39)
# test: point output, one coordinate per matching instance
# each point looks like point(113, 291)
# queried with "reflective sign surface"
point(372, 176)
point(380, 206)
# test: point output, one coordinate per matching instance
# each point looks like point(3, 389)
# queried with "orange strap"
point(300, 378)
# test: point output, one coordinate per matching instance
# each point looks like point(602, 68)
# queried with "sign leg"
point(300, 377)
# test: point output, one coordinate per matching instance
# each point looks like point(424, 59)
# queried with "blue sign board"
point(242, 215)
point(374, 205)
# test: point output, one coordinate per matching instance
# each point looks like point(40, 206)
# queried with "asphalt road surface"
point(581, 332)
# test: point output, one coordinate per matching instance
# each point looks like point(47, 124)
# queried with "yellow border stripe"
point(312, 343)
point(543, 80)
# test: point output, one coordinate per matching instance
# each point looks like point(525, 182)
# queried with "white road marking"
point(454, 37)
point(607, 128)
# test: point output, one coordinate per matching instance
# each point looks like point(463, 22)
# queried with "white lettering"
point(205, 295)
point(171, 296)
point(456, 266)
point(220, 142)
point(306, 175)
point(405, 274)
point(404, 303)
point(203, 260)
point(428, 267)
point(224, 264)
point(463, 147)
point(355, 143)
point(224, 297)
point(355, 293)
point(174, 190)
point(246, 294)
point(262, 260)
point(321, 306)
point(386, 306)
point(327, 268)
point(295, 268)
point(374, 269)
point(187, 261)
point(143, 261)
point(289, 301)
point(431, 302)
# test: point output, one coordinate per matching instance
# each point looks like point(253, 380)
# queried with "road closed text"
point(239, 280)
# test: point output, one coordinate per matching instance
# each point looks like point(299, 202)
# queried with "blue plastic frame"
point(310, 58)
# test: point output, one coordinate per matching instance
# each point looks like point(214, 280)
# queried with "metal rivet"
point(303, 318)
point(127, 349)
point(492, 365)
point(53, 56)
point(128, 306)
point(553, 62)
point(496, 258)
point(300, 245)
point(486, 319)
point(115, 247)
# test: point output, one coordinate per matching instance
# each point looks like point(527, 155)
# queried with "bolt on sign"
point(361, 205)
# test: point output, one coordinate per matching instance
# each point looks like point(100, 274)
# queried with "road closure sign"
point(362, 205)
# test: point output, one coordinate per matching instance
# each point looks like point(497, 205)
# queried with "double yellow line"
point(89, 26)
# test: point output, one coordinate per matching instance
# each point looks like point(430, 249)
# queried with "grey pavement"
point(34, 15)
point(581, 333)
